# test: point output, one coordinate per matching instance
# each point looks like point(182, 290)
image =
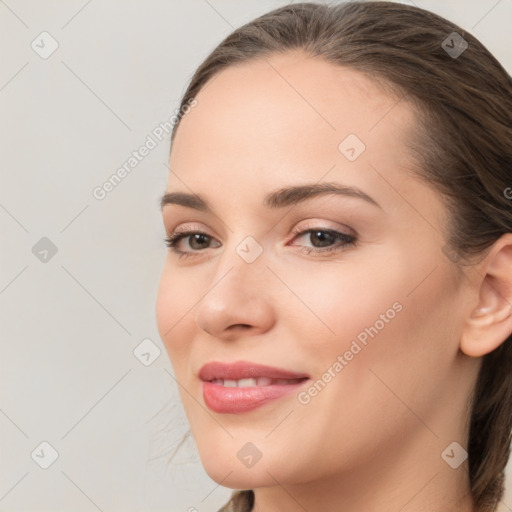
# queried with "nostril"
point(242, 326)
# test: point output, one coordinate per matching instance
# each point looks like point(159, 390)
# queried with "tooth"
point(252, 382)
point(245, 383)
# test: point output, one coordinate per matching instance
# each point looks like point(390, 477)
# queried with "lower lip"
point(237, 400)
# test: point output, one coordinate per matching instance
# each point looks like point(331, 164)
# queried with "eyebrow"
point(280, 198)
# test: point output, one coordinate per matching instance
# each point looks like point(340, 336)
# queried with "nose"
point(237, 301)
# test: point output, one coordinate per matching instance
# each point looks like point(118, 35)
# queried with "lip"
point(236, 400)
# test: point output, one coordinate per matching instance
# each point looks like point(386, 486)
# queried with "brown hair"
point(462, 144)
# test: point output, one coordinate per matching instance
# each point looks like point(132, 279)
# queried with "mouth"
point(253, 382)
point(241, 387)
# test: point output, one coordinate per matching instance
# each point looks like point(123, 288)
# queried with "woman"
point(336, 299)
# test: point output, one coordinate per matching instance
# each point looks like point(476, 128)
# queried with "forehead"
point(288, 116)
point(290, 97)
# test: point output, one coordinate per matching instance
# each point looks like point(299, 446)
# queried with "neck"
point(408, 477)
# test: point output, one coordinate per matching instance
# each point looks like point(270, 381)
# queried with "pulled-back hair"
point(462, 145)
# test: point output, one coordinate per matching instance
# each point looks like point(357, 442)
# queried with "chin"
point(227, 467)
point(238, 478)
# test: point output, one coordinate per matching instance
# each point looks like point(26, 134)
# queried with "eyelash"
point(348, 241)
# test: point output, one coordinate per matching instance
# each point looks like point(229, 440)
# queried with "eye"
point(324, 238)
point(197, 241)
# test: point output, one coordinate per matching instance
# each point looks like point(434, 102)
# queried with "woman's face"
point(367, 327)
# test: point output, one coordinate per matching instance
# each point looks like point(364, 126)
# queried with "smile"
point(251, 382)
point(233, 388)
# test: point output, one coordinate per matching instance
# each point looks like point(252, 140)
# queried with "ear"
point(489, 322)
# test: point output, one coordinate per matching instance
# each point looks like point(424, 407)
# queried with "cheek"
point(174, 302)
point(393, 318)
point(338, 303)
point(394, 347)
point(392, 296)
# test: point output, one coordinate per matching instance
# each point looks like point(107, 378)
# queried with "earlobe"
point(489, 323)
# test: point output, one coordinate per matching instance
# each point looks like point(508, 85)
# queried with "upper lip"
point(245, 370)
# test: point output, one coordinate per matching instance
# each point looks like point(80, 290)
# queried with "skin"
point(372, 438)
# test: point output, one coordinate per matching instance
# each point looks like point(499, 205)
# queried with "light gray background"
point(69, 325)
